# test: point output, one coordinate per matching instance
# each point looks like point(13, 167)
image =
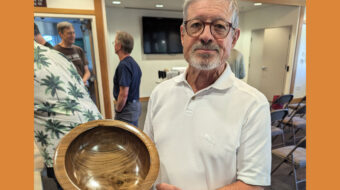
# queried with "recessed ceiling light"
point(159, 5)
point(257, 4)
point(116, 2)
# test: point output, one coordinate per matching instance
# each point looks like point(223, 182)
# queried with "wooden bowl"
point(106, 154)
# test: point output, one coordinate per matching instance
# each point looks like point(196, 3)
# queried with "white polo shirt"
point(210, 138)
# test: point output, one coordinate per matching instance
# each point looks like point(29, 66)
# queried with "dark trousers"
point(130, 113)
point(50, 181)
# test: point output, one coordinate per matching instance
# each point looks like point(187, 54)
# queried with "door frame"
point(95, 48)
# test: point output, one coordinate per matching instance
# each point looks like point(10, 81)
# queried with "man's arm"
point(122, 98)
point(239, 185)
point(164, 186)
point(87, 74)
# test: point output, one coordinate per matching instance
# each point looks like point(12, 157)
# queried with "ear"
point(235, 36)
point(182, 33)
point(119, 46)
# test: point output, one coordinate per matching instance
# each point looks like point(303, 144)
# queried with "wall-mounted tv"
point(161, 35)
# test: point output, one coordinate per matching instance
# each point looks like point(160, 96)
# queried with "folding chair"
point(296, 121)
point(295, 106)
point(283, 100)
point(293, 155)
point(276, 118)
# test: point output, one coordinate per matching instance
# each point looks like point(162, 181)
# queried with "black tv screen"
point(161, 35)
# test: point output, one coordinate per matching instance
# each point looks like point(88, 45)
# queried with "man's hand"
point(122, 98)
point(164, 186)
point(85, 82)
point(240, 185)
point(38, 38)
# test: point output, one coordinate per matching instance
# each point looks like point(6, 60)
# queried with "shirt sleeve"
point(254, 153)
point(124, 76)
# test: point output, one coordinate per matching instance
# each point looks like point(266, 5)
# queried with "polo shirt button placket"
point(191, 104)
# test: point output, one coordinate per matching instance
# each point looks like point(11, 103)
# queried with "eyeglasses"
point(219, 28)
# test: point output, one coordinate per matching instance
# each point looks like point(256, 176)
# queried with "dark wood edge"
point(59, 156)
point(63, 11)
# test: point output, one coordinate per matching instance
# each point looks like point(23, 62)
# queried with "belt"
point(133, 101)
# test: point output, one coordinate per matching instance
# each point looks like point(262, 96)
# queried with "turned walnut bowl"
point(106, 155)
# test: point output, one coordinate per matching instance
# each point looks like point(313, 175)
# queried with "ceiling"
point(171, 5)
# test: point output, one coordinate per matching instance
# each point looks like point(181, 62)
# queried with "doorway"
point(84, 38)
point(268, 62)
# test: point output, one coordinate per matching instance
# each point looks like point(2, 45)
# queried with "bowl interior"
point(107, 158)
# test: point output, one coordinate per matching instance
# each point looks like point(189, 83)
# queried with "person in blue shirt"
point(126, 81)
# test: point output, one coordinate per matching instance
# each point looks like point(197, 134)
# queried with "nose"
point(206, 36)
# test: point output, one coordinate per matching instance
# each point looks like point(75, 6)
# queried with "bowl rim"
point(59, 156)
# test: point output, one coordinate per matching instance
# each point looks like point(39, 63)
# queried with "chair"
point(296, 121)
point(276, 118)
point(294, 106)
point(293, 155)
point(283, 101)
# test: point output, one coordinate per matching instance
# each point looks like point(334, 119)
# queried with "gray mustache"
point(206, 47)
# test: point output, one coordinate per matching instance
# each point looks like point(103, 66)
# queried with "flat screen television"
point(161, 35)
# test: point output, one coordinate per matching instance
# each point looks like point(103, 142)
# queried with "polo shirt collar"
point(225, 81)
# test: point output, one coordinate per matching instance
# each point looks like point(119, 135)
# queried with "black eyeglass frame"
point(204, 23)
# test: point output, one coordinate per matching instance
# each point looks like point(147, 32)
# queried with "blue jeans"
point(130, 113)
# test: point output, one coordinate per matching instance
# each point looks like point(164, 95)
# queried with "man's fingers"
point(164, 186)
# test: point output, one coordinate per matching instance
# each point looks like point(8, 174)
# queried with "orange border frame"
point(16, 142)
point(17, 90)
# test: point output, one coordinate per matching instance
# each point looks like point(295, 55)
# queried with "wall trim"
point(141, 99)
point(63, 11)
point(144, 99)
point(103, 57)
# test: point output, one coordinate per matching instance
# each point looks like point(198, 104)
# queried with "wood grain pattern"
point(106, 154)
point(98, 8)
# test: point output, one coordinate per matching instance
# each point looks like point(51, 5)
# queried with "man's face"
point(117, 45)
point(68, 35)
point(205, 52)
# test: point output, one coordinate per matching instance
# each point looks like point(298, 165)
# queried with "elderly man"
point(126, 81)
point(212, 130)
point(74, 53)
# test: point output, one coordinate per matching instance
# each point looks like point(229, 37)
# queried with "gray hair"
point(233, 6)
point(126, 40)
point(61, 26)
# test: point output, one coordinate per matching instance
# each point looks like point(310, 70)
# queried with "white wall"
point(268, 17)
point(300, 77)
point(130, 20)
point(71, 4)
